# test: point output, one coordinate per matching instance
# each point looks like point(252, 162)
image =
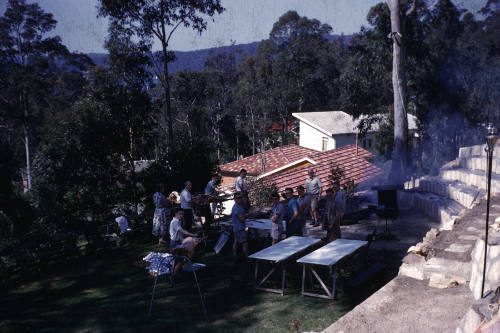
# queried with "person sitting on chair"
point(177, 233)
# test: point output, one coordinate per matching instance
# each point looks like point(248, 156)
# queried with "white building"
point(325, 130)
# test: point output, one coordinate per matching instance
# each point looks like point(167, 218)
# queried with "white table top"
point(264, 224)
point(285, 249)
point(332, 252)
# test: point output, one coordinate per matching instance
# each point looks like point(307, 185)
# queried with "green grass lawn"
point(108, 292)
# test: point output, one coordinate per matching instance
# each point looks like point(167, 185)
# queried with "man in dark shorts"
point(238, 216)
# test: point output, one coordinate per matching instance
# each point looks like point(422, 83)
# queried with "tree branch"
point(413, 9)
point(172, 31)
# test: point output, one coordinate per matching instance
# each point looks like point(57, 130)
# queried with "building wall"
point(228, 180)
point(310, 137)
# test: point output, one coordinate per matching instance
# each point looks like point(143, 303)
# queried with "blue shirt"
point(238, 225)
point(291, 208)
point(185, 199)
point(210, 188)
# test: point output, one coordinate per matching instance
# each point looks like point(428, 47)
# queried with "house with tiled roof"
point(352, 159)
point(326, 130)
point(280, 158)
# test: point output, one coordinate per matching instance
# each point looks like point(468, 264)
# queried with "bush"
point(259, 191)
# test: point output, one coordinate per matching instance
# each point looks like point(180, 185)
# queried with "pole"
point(489, 152)
point(491, 139)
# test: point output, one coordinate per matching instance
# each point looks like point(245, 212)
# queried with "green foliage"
point(260, 191)
point(337, 175)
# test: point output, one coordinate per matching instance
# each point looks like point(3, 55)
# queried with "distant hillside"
point(195, 60)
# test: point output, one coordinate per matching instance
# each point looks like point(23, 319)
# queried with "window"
point(369, 143)
point(324, 143)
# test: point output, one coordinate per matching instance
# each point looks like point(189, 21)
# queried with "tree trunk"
point(28, 156)
point(26, 129)
point(400, 148)
point(168, 106)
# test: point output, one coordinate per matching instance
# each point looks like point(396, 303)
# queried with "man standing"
point(332, 216)
point(303, 200)
point(211, 189)
point(241, 187)
point(291, 213)
point(238, 217)
point(210, 207)
point(277, 215)
point(313, 188)
point(187, 206)
point(340, 198)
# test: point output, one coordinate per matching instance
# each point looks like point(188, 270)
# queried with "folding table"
point(329, 256)
point(277, 255)
point(262, 224)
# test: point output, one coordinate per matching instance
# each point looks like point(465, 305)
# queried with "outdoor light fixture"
point(491, 139)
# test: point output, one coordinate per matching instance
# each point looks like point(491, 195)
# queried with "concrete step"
point(438, 208)
point(455, 190)
point(479, 163)
point(456, 270)
point(475, 178)
point(477, 151)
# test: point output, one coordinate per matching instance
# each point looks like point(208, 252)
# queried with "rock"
point(433, 233)
point(488, 310)
point(421, 248)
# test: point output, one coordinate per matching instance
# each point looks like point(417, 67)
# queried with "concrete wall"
point(312, 138)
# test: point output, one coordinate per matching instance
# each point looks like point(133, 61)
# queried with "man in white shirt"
point(176, 232)
point(241, 187)
point(313, 188)
point(187, 206)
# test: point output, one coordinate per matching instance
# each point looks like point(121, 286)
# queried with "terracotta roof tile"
point(275, 158)
point(355, 167)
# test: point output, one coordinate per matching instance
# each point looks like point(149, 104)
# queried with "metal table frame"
point(332, 266)
point(279, 262)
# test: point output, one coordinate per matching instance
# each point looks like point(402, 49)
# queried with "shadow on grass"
point(105, 292)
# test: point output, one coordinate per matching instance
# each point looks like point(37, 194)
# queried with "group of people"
point(174, 214)
point(289, 217)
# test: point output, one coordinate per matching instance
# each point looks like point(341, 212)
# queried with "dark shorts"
point(241, 236)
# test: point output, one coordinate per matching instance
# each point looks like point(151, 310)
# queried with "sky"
point(243, 21)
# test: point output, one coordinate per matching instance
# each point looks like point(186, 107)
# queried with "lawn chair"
point(163, 264)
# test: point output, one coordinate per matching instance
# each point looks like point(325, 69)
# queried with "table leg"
point(334, 278)
point(256, 271)
point(283, 281)
point(303, 276)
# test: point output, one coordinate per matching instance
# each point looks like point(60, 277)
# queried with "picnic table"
point(329, 256)
point(262, 224)
point(278, 254)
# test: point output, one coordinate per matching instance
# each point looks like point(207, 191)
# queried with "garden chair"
point(163, 264)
